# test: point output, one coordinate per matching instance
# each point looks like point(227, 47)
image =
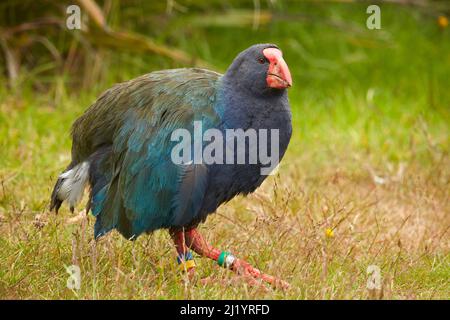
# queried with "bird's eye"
point(261, 60)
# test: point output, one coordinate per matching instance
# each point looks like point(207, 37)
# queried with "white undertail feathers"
point(73, 184)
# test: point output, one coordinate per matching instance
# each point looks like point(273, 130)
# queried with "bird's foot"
point(192, 239)
point(195, 241)
point(245, 269)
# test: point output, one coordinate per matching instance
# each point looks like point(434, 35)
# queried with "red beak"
point(278, 76)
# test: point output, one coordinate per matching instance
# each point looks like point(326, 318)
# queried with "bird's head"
point(260, 68)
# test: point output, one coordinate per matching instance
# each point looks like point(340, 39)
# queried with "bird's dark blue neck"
point(236, 104)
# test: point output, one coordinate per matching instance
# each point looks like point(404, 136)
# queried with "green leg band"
point(225, 259)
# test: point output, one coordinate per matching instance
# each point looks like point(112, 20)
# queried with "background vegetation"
point(365, 180)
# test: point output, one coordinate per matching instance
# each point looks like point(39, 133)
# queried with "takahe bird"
point(122, 148)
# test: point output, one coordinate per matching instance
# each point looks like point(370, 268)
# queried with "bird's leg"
point(196, 242)
point(184, 257)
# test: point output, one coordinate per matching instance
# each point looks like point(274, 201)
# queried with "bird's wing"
point(146, 190)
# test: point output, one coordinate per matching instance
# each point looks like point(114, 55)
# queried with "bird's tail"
point(95, 170)
point(70, 186)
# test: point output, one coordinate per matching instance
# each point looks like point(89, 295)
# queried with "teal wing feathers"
point(143, 189)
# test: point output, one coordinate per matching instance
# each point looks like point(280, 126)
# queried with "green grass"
point(364, 103)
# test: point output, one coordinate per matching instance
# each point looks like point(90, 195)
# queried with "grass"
point(368, 160)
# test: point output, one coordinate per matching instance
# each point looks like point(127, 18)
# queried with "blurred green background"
point(370, 84)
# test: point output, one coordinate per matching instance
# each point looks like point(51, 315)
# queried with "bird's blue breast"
point(139, 187)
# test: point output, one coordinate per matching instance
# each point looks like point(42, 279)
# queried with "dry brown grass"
point(401, 226)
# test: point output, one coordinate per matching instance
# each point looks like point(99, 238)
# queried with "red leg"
point(180, 245)
point(196, 242)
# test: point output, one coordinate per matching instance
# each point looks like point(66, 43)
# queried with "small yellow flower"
point(442, 21)
point(329, 233)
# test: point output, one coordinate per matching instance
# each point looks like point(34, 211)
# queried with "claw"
point(244, 268)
